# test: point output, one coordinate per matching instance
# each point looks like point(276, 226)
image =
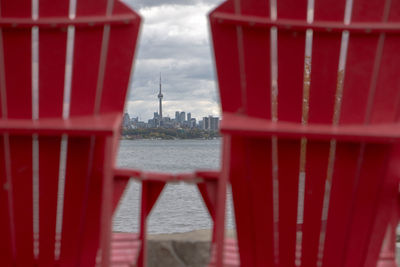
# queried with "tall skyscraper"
point(189, 116)
point(160, 97)
point(126, 121)
point(214, 123)
point(206, 123)
point(183, 115)
point(177, 116)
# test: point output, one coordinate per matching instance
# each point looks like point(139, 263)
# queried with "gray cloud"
point(174, 41)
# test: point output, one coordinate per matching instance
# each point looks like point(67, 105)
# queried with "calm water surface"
point(180, 208)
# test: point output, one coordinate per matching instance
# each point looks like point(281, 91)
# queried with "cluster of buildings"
point(181, 120)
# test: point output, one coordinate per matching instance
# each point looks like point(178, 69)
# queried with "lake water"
point(179, 208)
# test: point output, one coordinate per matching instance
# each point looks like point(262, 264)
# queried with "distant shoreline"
point(138, 139)
point(168, 134)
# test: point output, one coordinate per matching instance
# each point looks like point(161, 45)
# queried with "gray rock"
point(190, 249)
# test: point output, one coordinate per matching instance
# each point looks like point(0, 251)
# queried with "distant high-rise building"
point(177, 116)
point(189, 116)
point(214, 123)
point(182, 116)
point(192, 122)
point(206, 123)
point(160, 97)
point(126, 121)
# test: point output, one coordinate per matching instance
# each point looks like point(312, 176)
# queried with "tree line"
point(166, 133)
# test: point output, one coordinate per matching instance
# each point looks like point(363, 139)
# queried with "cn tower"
point(160, 97)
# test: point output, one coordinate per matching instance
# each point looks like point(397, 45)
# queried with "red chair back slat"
point(324, 71)
point(17, 60)
point(386, 106)
point(229, 78)
point(52, 58)
point(6, 251)
point(346, 184)
point(291, 47)
point(79, 222)
point(119, 64)
point(256, 83)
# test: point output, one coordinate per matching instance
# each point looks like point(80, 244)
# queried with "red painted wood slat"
point(380, 251)
point(52, 56)
point(324, 72)
point(291, 47)
point(288, 160)
point(17, 59)
point(119, 63)
point(228, 78)
point(79, 171)
point(256, 101)
point(365, 203)
point(98, 203)
point(76, 167)
point(343, 183)
point(6, 249)
point(241, 202)
point(259, 177)
point(257, 81)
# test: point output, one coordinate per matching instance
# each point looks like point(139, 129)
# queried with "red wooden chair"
point(64, 71)
point(310, 98)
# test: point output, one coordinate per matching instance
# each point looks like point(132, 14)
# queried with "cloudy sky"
point(174, 41)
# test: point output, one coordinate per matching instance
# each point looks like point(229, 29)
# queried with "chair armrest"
point(208, 175)
point(158, 177)
point(193, 177)
point(241, 125)
point(104, 125)
point(126, 174)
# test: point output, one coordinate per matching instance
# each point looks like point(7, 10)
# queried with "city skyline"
point(181, 119)
point(160, 108)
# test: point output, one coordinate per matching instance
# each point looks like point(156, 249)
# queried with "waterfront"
point(180, 208)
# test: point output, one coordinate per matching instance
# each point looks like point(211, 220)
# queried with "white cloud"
point(174, 40)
